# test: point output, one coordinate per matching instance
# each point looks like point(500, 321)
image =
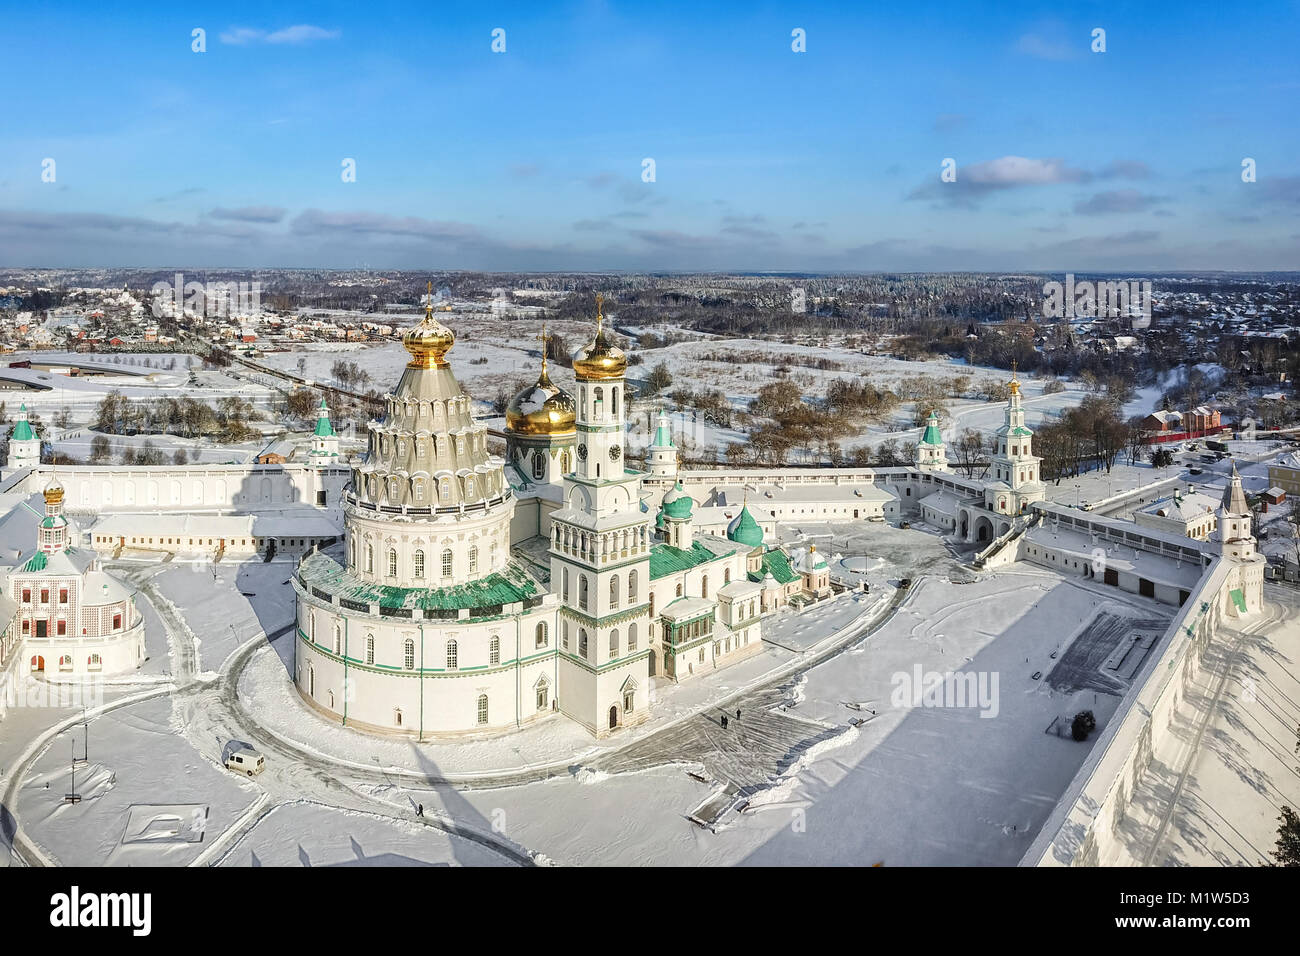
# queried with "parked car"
point(244, 759)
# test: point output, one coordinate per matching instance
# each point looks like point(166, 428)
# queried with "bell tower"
point(600, 555)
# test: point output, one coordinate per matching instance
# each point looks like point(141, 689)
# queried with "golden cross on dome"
point(600, 310)
point(428, 302)
point(543, 338)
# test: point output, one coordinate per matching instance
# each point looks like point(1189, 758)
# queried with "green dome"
point(677, 503)
point(745, 530)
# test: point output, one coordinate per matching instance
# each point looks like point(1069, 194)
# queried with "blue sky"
point(765, 159)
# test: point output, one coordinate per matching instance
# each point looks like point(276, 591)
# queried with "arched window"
point(541, 634)
point(566, 585)
point(613, 643)
point(417, 563)
point(631, 638)
point(652, 605)
point(482, 709)
point(338, 639)
point(446, 563)
point(370, 648)
point(631, 587)
point(582, 591)
point(311, 626)
point(726, 575)
point(494, 651)
point(613, 592)
point(418, 486)
point(392, 562)
point(704, 586)
point(582, 642)
point(679, 588)
point(444, 490)
point(370, 559)
point(539, 465)
point(469, 487)
point(452, 656)
point(408, 654)
point(543, 694)
point(613, 401)
point(566, 462)
point(473, 560)
point(352, 551)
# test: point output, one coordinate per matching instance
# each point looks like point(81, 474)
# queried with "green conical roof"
point(663, 434)
point(932, 436)
point(323, 427)
point(745, 530)
point(22, 428)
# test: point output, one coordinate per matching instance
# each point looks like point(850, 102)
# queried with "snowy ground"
point(227, 604)
point(137, 761)
point(310, 834)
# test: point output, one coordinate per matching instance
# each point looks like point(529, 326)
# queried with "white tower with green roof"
point(930, 454)
point(662, 459)
point(324, 442)
point(24, 445)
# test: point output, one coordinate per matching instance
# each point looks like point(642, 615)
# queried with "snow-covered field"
point(311, 834)
point(137, 761)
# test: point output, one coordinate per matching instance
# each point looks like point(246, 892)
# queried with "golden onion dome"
point(430, 341)
point(542, 409)
point(599, 359)
point(53, 492)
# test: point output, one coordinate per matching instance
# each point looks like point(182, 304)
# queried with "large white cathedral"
point(441, 621)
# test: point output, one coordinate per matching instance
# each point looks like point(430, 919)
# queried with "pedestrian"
point(724, 721)
point(738, 713)
point(419, 809)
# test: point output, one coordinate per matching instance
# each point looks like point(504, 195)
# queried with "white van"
point(245, 760)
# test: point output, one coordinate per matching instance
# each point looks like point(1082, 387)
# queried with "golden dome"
point(600, 359)
point(542, 409)
point(430, 341)
point(1014, 384)
point(53, 493)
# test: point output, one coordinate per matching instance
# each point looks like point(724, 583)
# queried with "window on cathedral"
point(582, 592)
point(452, 656)
point(704, 586)
point(370, 648)
point(392, 563)
point(446, 563)
point(417, 563)
point(482, 708)
point(540, 639)
point(27, 595)
point(494, 651)
point(582, 642)
point(117, 622)
point(631, 638)
point(62, 628)
point(566, 587)
point(370, 559)
point(613, 643)
point(539, 465)
point(408, 654)
point(473, 560)
point(613, 592)
point(543, 696)
point(631, 587)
